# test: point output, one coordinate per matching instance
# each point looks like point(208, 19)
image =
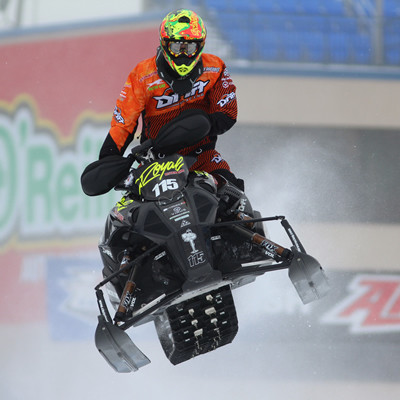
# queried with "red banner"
point(58, 90)
point(72, 74)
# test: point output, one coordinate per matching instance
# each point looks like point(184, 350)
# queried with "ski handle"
point(292, 236)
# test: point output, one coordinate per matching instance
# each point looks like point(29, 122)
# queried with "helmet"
point(182, 38)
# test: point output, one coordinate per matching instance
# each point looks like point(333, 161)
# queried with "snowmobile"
point(176, 245)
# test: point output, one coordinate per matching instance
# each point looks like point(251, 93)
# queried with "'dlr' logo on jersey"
point(167, 100)
point(373, 305)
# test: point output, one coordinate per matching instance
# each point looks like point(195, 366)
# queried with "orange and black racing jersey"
point(146, 94)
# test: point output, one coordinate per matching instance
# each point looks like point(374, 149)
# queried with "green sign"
point(40, 190)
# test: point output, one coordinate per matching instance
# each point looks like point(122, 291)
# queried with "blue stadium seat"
point(391, 8)
point(312, 6)
point(363, 49)
point(235, 21)
point(290, 46)
point(334, 7)
point(309, 23)
point(342, 24)
point(313, 46)
point(271, 22)
point(392, 57)
point(242, 45)
point(267, 47)
point(340, 47)
point(240, 6)
point(311, 30)
point(219, 5)
point(231, 5)
point(268, 6)
point(392, 42)
point(273, 35)
point(289, 6)
point(237, 30)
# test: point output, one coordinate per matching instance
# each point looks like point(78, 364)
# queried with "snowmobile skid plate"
point(117, 348)
point(308, 277)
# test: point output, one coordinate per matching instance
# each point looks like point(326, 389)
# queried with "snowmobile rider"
point(178, 78)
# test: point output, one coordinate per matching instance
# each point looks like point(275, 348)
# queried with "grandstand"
point(350, 32)
point(317, 32)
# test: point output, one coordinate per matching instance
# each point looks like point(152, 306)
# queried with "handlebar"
point(138, 151)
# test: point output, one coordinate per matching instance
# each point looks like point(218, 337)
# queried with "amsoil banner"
point(351, 334)
point(360, 305)
point(58, 91)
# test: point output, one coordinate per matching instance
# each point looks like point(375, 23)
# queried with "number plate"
point(162, 178)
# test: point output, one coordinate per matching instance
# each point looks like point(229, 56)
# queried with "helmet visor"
point(187, 48)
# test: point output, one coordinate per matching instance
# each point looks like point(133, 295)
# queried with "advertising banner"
point(58, 91)
point(351, 334)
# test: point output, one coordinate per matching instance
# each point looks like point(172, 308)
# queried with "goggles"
point(178, 48)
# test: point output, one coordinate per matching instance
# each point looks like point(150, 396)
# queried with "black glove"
point(101, 176)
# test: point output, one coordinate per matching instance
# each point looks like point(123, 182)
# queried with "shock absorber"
point(271, 248)
point(128, 296)
point(241, 216)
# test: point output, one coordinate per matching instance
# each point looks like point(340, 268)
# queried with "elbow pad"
point(220, 123)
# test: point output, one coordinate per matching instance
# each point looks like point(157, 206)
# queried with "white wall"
point(312, 101)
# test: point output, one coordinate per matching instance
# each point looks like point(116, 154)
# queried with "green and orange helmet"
point(182, 38)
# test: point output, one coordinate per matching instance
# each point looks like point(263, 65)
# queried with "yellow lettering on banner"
point(157, 170)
